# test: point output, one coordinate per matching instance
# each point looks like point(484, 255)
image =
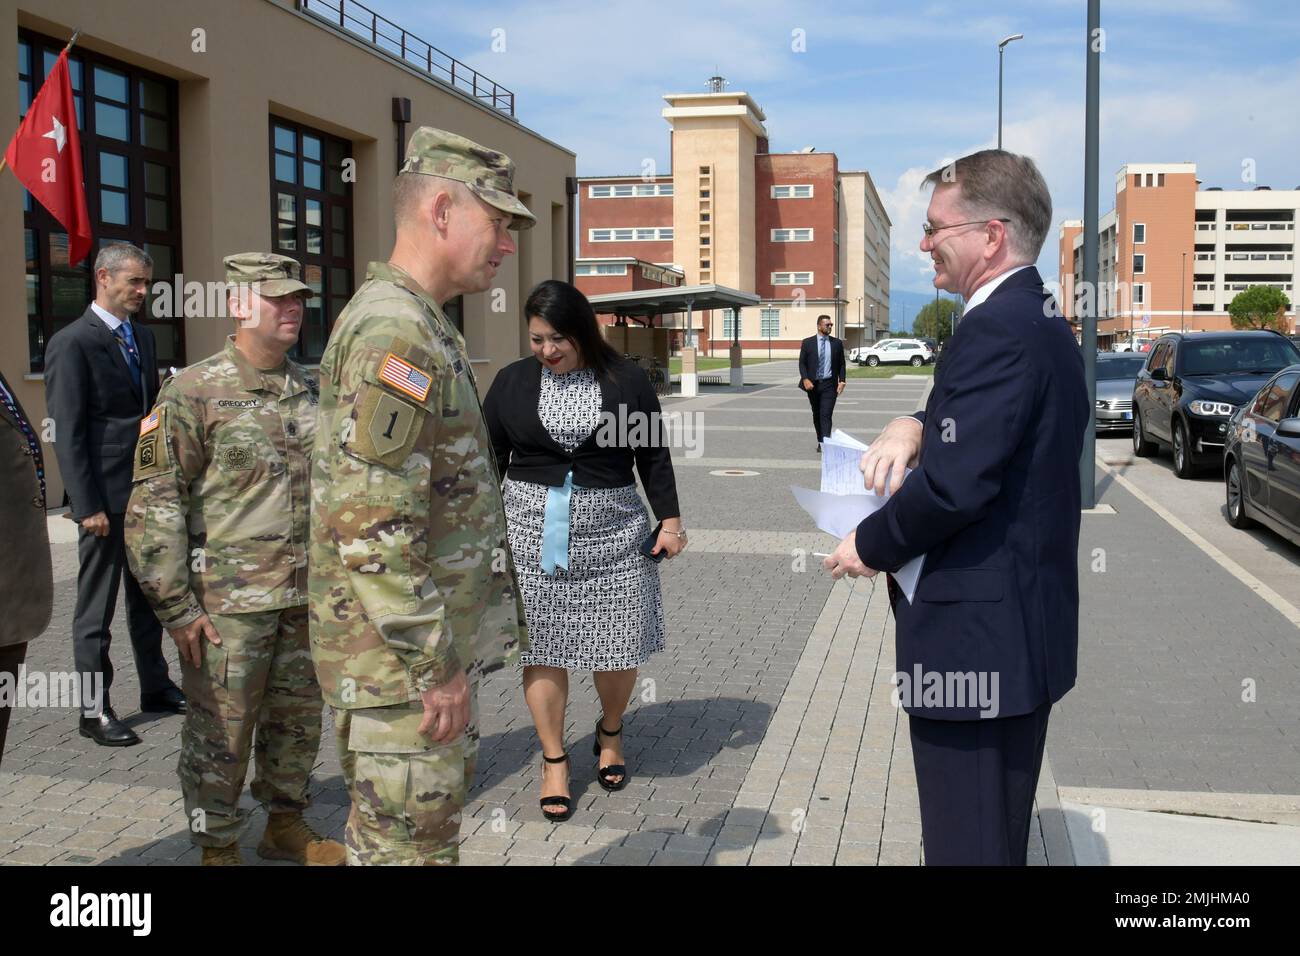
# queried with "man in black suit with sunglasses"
point(822, 375)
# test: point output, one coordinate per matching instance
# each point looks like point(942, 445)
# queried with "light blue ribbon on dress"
point(555, 527)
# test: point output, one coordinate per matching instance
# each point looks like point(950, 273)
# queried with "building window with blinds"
point(311, 220)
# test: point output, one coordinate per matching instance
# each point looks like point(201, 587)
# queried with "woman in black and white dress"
point(567, 427)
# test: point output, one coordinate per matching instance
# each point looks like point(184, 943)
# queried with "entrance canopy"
point(645, 303)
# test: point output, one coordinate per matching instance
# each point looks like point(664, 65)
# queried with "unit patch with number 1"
point(390, 424)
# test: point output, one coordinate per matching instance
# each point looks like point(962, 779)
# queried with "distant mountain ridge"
point(904, 304)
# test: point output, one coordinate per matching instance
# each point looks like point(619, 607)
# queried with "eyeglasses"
point(930, 230)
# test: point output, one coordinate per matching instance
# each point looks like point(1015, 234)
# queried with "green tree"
point(1258, 307)
point(934, 321)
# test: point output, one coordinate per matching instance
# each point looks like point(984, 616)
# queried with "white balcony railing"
point(1243, 286)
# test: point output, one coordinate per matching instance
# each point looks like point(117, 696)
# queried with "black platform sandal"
point(613, 770)
point(565, 802)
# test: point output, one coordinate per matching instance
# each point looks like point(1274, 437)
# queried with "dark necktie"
point(821, 358)
point(33, 443)
point(124, 335)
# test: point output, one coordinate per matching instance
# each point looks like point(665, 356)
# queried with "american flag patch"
point(149, 424)
point(405, 377)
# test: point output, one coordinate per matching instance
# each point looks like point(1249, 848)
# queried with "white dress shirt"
point(824, 368)
point(109, 318)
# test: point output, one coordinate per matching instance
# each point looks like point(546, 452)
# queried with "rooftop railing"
point(358, 20)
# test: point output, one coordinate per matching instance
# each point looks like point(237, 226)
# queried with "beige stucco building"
point(865, 247)
point(211, 128)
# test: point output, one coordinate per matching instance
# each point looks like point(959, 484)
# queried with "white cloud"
point(1214, 118)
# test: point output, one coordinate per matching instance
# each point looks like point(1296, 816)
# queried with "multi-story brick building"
point(793, 228)
point(1173, 254)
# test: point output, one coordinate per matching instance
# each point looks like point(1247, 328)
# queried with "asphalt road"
point(1171, 632)
point(1201, 503)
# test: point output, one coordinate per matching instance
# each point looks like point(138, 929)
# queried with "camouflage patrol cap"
point(269, 274)
point(489, 175)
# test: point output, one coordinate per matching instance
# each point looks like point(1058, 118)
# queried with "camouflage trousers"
point(258, 680)
point(407, 791)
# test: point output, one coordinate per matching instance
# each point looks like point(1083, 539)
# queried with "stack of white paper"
point(843, 500)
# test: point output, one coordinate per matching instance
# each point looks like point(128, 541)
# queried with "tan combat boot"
point(289, 837)
point(222, 856)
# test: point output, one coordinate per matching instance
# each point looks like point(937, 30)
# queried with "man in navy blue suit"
point(990, 640)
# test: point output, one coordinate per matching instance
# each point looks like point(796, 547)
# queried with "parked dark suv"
point(1261, 465)
point(1191, 385)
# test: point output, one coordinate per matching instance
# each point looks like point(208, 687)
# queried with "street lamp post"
point(1002, 45)
point(1091, 242)
point(839, 313)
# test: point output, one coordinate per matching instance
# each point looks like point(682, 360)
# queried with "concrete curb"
point(1056, 835)
point(1247, 807)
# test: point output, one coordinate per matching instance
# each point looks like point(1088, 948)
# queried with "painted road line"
point(1278, 603)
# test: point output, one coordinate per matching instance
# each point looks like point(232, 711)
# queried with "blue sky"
point(900, 88)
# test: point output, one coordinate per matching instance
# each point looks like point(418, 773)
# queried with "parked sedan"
point(1116, 373)
point(895, 351)
point(1193, 382)
point(1261, 463)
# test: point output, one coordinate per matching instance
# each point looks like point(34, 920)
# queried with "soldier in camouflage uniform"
point(413, 590)
point(216, 533)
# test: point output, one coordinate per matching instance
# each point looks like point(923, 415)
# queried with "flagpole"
point(4, 163)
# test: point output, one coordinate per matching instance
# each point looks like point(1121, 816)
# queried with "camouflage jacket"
point(218, 516)
point(411, 574)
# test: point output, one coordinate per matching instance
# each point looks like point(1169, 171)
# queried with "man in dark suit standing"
point(27, 585)
point(821, 375)
point(101, 380)
point(991, 640)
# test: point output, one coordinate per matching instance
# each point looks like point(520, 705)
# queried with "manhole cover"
point(733, 473)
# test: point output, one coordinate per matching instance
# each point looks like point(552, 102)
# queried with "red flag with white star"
point(45, 155)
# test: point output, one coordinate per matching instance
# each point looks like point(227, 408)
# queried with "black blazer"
point(994, 505)
point(808, 360)
point(27, 586)
point(97, 409)
point(526, 452)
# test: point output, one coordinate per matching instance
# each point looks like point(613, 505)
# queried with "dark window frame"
point(329, 299)
point(454, 310)
point(1293, 405)
point(37, 221)
point(1171, 360)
